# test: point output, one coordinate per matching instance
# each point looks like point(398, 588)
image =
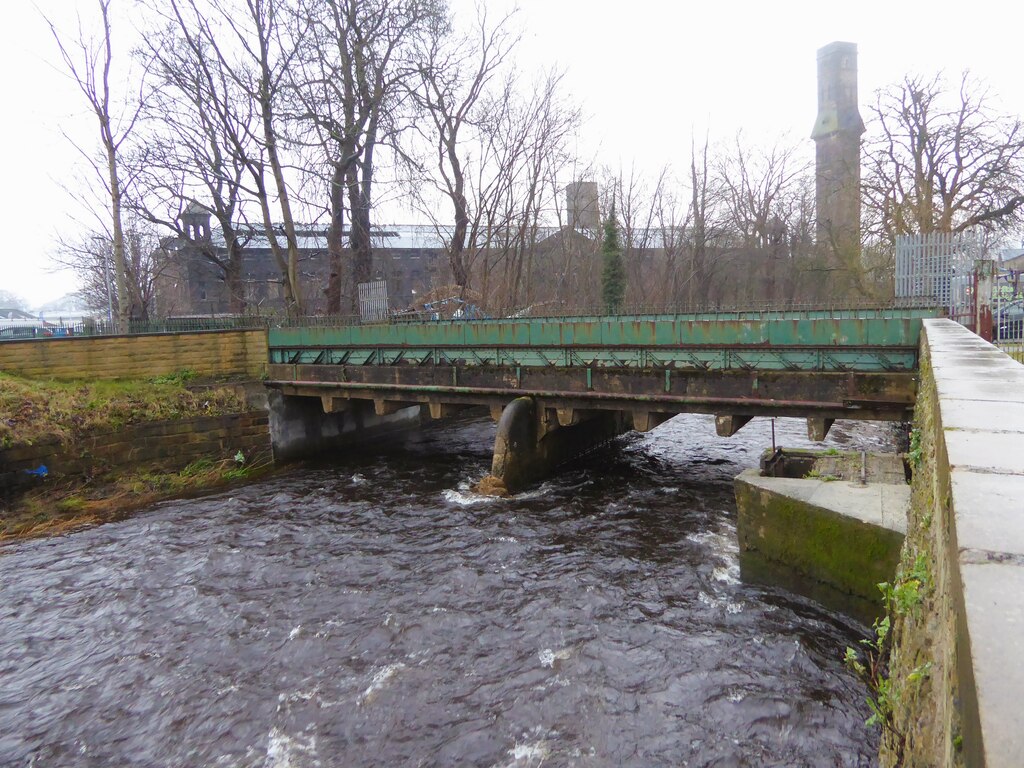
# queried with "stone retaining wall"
point(956, 674)
point(208, 353)
point(169, 445)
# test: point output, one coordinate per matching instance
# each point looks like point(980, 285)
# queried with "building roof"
point(405, 237)
point(195, 209)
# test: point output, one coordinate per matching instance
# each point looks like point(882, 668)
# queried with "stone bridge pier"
point(533, 440)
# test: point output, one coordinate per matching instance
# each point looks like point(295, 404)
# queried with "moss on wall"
point(105, 475)
point(849, 555)
point(926, 728)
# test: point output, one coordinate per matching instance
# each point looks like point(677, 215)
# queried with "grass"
point(825, 478)
point(71, 505)
point(32, 410)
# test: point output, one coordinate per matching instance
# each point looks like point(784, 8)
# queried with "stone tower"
point(837, 132)
point(195, 220)
point(581, 203)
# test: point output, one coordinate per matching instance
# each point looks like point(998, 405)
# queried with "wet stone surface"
point(378, 612)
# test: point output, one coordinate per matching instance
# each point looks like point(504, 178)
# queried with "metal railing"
point(548, 312)
point(63, 329)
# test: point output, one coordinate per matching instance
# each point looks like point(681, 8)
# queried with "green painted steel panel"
point(885, 340)
point(766, 328)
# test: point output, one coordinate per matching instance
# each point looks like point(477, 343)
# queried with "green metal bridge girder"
point(837, 340)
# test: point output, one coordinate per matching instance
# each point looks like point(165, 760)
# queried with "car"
point(1008, 320)
point(35, 331)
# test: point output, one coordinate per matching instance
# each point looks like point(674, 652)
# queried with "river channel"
point(373, 611)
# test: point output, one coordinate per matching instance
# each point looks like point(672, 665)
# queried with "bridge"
point(557, 385)
point(574, 381)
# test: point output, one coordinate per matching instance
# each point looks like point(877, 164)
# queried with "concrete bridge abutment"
point(302, 427)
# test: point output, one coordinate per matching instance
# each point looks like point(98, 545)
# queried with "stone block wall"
point(169, 445)
point(955, 672)
point(208, 353)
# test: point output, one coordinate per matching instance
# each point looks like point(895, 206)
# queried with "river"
point(373, 611)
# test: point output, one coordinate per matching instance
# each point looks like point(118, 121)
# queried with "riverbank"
point(71, 504)
point(78, 453)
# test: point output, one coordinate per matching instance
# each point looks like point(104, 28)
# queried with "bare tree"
point(762, 190)
point(673, 221)
point(199, 148)
point(941, 160)
point(88, 59)
point(454, 73)
point(757, 186)
point(705, 231)
point(244, 51)
point(91, 257)
point(636, 203)
point(11, 300)
point(347, 84)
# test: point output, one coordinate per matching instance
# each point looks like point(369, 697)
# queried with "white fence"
point(938, 268)
point(373, 301)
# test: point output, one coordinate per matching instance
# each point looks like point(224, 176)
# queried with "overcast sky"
point(646, 73)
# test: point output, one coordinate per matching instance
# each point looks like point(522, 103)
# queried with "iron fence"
point(1008, 314)
point(548, 312)
point(90, 327)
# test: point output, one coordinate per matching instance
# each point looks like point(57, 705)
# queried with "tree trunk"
point(335, 246)
point(360, 192)
point(359, 237)
point(121, 284)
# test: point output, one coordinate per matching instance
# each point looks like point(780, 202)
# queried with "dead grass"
point(75, 504)
point(32, 409)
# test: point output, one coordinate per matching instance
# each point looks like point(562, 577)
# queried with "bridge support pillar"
point(443, 410)
point(387, 407)
point(333, 404)
point(645, 421)
point(529, 445)
point(728, 424)
point(818, 428)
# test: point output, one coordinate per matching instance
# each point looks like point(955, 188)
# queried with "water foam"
point(284, 751)
point(380, 679)
point(727, 574)
point(549, 657)
point(465, 496)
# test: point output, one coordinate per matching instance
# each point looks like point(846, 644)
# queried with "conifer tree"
point(613, 276)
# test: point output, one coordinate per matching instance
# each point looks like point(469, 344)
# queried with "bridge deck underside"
point(850, 395)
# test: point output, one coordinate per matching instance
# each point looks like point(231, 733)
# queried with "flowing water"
point(375, 612)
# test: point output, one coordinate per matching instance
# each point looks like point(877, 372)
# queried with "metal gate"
point(1008, 312)
point(373, 301)
point(938, 268)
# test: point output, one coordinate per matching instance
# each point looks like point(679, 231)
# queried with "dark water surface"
point(377, 613)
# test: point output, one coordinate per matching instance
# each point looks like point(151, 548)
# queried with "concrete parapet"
point(967, 527)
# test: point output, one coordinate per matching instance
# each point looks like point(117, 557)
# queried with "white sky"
point(646, 72)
